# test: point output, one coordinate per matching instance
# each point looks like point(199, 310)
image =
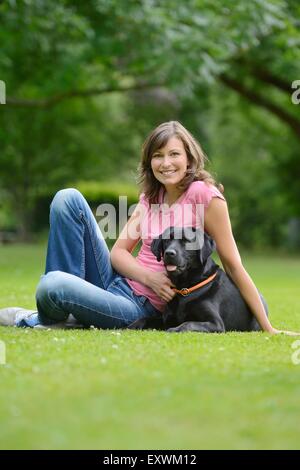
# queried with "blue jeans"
point(79, 277)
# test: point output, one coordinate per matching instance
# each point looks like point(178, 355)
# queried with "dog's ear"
point(207, 249)
point(156, 247)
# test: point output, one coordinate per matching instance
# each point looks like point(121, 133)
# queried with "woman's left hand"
point(288, 333)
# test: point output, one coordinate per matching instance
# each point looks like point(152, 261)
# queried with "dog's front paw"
point(174, 330)
point(180, 328)
point(137, 324)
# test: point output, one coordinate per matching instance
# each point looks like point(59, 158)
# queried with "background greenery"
point(87, 81)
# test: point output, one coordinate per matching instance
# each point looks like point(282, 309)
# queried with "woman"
point(111, 290)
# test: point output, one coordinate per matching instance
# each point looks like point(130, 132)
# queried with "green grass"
point(130, 390)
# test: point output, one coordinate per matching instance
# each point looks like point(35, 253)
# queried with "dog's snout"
point(171, 253)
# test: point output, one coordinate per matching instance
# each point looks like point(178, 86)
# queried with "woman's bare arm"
point(218, 226)
point(121, 258)
point(124, 262)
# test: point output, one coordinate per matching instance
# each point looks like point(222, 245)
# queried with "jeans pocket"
point(139, 299)
point(120, 284)
point(115, 282)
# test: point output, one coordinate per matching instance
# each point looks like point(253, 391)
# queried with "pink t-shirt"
point(187, 211)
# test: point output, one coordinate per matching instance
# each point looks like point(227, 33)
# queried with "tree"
point(53, 52)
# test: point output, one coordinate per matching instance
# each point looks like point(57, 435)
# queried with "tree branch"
point(259, 100)
point(263, 74)
point(53, 100)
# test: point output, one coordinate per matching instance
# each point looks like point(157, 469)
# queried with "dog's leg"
point(147, 323)
point(202, 327)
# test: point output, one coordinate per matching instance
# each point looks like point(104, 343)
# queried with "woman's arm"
point(217, 225)
point(121, 258)
point(125, 263)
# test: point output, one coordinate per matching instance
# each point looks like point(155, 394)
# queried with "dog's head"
point(182, 248)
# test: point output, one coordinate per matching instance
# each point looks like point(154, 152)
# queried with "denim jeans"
point(79, 278)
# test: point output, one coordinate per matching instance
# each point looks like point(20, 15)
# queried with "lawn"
point(133, 390)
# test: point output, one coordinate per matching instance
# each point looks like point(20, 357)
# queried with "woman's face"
point(169, 163)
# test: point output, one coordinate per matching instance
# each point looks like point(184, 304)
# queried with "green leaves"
point(57, 50)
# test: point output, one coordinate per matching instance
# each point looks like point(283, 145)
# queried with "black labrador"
point(207, 300)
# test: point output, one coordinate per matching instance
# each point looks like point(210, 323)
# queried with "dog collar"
point(187, 290)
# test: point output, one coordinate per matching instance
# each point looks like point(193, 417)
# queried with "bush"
point(95, 192)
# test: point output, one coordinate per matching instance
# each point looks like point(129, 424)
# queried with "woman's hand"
point(161, 285)
point(274, 331)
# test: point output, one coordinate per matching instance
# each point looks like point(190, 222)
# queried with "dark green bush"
point(95, 192)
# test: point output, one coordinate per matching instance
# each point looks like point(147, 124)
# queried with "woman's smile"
point(168, 172)
point(169, 163)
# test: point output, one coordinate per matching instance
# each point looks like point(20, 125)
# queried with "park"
point(82, 84)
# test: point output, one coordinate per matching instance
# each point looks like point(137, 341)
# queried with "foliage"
point(87, 81)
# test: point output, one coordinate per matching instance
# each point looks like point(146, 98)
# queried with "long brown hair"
point(157, 139)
